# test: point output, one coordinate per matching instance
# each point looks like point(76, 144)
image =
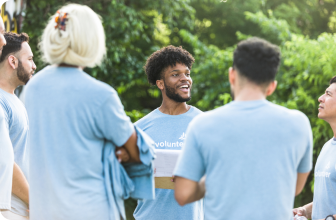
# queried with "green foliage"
point(134, 29)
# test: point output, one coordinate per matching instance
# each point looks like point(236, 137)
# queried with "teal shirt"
point(250, 152)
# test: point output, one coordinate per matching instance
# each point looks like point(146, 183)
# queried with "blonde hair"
point(81, 44)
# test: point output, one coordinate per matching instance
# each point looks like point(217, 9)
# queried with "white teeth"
point(185, 86)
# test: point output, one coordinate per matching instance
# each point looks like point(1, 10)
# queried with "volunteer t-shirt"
point(17, 126)
point(250, 152)
point(6, 164)
point(168, 132)
point(325, 182)
point(72, 115)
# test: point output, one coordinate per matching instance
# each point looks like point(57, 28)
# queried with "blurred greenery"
point(210, 29)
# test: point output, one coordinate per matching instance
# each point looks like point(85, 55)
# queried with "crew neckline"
point(167, 115)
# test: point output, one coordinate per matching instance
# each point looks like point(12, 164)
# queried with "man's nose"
point(321, 98)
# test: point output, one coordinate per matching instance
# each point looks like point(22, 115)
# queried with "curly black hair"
point(163, 58)
point(257, 60)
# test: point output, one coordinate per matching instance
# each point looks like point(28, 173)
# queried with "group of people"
point(68, 151)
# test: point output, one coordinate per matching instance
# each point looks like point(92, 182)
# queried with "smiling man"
point(16, 68)
point(324, 202)
point(169, 69)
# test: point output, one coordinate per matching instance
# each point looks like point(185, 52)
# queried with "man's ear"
point(160, 84)
point(271, 88)
point(12, 61)
point(232, 76)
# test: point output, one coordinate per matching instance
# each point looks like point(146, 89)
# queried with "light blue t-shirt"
point(18, 127)
point(250, 152)
point(168, 132)
point(71, 115)
point(6, 164)
point(324, 202)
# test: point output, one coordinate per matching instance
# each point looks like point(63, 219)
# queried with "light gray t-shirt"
point(17, 125)
point(6, 164)
point(250, 152)
point(325, 182)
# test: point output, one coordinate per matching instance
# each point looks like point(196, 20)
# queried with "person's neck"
point(171, 107)
point(332, 124)
point(249, 93)
point(71, 66)
point(7, 85)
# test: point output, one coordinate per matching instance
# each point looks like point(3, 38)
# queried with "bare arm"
point(129, 152)
point(187, 191)
point(305, 210)
point(20, 186)
point(300, 182)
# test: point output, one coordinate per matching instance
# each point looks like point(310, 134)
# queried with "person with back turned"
point(250, 157)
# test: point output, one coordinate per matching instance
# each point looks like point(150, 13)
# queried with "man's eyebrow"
point(179, 70)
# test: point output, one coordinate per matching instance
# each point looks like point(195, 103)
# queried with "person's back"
point(252, 150)
point(75, 119)
point(63, 102)
point(251, 157)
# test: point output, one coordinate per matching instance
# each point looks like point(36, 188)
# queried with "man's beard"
point(170, 93)
point(22, 74)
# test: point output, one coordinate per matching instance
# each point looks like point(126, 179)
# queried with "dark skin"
point(175, 77)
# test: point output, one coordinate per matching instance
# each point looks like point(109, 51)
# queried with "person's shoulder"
point(194, 111)
point(291, 114)
point(144, 121)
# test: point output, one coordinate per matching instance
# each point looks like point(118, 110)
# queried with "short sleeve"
point(306, 162)
point(6, 164)
point(112, 121)
point(190, 164)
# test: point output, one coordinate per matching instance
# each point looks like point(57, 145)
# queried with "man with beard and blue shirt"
point(324, 201)
point(256, 155)
point(16, 68)
point(169, 69)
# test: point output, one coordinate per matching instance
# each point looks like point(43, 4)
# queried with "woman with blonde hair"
point(74, 119)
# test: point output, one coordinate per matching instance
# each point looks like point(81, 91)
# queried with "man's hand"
point(122, 154)
point(301, 211)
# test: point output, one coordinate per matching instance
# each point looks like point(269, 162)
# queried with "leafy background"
point(210, 29)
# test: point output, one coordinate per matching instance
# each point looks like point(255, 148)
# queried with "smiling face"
point(327, 107)
point(176, 83)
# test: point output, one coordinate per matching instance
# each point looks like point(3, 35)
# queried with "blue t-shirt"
point(325, 182)
point(168, 132)
point(250, 152)
point(71, 115)
point(6, 164)
point(18, 127)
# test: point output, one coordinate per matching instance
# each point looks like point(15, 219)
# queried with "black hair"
point(13, 44)
point(333, 80)
point(163, 58)
point(257, 60)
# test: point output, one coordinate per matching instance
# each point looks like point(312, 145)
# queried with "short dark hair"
point(163, 58)
point(333, 80)
point(257, 60)
point(14, 44)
